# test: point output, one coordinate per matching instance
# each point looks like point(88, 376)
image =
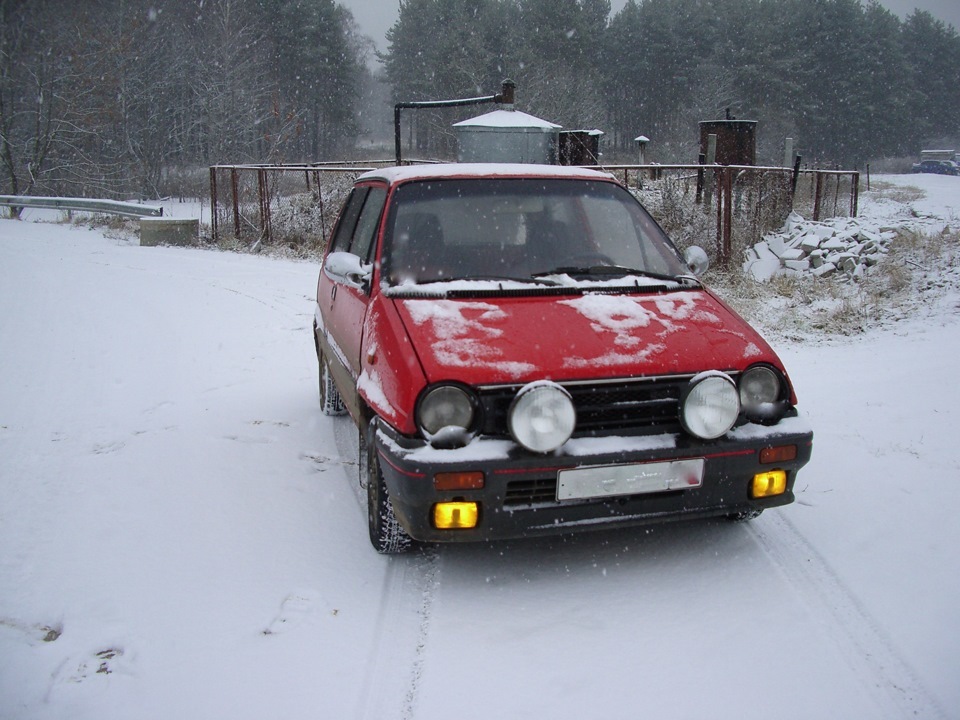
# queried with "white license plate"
point(634, 479)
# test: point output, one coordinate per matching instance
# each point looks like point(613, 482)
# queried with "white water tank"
point(507, 136)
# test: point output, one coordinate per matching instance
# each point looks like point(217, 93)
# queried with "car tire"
point(386, 534)
point(330, 401)
point(744, 515)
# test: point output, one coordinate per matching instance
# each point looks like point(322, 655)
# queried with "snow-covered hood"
point(520, 339)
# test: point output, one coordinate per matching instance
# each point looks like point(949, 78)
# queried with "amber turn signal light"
point(779, 454)
point(458, 481)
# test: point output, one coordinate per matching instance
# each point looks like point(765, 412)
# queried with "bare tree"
point(42, 126)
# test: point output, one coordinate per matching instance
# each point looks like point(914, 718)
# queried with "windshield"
point(521, 229)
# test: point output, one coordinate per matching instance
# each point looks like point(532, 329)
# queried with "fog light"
point(455, 515)
point(767, 484)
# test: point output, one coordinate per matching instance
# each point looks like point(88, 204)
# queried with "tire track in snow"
point(395, 663)
point(395, 660)
point(860, 639)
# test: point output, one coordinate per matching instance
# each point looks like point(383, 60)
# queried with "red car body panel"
point(391, 376)
point(492, 341)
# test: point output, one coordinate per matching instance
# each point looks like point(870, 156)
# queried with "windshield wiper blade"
point(506, 278)
point(682, 279)
point(616, 270)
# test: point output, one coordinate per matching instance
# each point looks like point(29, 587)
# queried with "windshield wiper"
point(506, 278)
point(617, 270)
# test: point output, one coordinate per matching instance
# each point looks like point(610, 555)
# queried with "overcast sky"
point(375, 17)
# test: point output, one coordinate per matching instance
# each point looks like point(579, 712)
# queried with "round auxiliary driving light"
point(442, 407)
point(710, 405)
point(761, 394)
point(542, 417)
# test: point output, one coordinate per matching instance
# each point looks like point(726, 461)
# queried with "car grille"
point(637, 407)
point(647, 406)
point(531, 492)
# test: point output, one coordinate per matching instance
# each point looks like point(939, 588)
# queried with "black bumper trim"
point(730, 466)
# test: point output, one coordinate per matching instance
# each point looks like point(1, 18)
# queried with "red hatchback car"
point(525, 352)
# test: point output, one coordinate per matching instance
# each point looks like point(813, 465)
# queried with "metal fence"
point(724, 208)
point(279, 204)
point(728, 207)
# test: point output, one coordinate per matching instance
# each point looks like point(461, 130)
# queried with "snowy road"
point(181, 534)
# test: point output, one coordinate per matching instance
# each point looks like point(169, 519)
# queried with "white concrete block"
point(824, 270)
point(776, 244)
point(810, 242)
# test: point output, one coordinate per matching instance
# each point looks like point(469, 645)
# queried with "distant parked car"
point(940, 167)
point(525, 353)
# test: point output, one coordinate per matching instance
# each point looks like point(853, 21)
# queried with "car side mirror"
point(347, 269)
point(696, 259)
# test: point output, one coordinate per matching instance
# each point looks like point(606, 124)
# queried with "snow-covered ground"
point(181, 535)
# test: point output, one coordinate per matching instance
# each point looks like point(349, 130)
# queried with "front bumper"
point(519, 499)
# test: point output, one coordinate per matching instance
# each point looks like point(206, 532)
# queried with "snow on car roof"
point(449, 170)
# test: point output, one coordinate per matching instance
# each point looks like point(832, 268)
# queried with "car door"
point(343, 306)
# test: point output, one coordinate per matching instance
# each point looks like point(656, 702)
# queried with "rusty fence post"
point(236, 202)
point(836, 194)
point(756, 183)
point(855, 192)
point(701, 160)
point(817, 193)
point(718, 184)
point(794, 179)
point(323, 220)
point(727, 215)
point(214, 224)
point(263, 191)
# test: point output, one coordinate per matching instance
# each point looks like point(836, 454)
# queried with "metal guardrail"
point(110, 207)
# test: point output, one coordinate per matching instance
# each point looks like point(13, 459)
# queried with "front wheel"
point(386, 534)
point(744, 515)
point(330, 401)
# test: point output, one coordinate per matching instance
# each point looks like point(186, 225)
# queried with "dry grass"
point(900, 194)
point(114, 227)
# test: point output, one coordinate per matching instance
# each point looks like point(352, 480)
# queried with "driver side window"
point(363, 239)
point(348, 220)
point(359, 221)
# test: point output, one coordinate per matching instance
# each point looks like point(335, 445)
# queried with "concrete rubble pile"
point(842, 245)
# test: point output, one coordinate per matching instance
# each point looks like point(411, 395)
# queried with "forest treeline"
point(101, 97)
point(848, 81)
point(109, 97)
